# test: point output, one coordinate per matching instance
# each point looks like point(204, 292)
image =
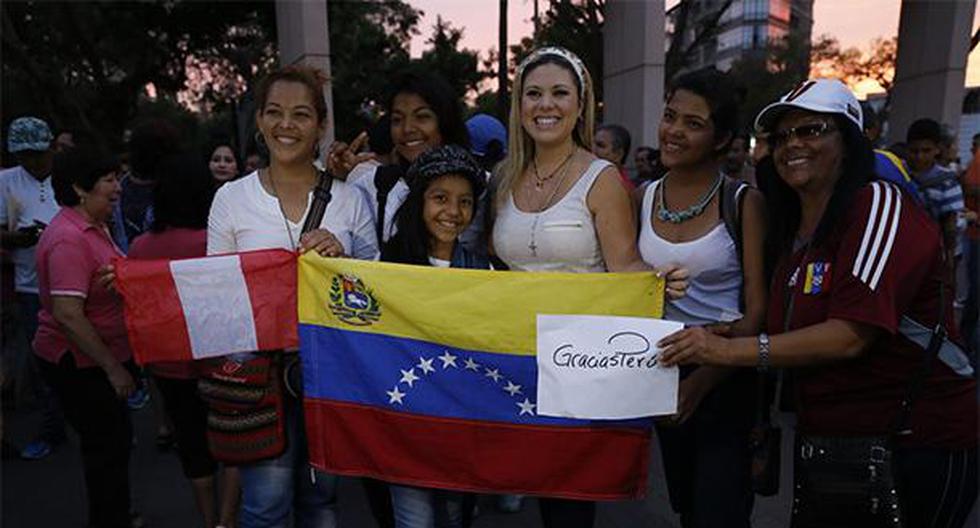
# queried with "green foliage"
point(85, 65)
point(368, 45)
point(459, 66)
point(572, 24)
point(766, 77)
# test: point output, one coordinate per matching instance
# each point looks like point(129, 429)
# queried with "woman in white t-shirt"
point(558, 207)
point(267, 209)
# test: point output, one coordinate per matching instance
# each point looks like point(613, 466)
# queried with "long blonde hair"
point(520, 146)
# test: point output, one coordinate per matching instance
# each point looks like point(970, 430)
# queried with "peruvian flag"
point(180, 310)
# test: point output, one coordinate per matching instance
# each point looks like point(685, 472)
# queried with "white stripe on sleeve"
point(216, 305)
point(879, 234)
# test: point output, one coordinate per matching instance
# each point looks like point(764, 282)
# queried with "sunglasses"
point(802, 132)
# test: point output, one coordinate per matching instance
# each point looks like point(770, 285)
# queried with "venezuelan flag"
point(427, 377)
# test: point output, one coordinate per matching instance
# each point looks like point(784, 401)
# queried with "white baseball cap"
point(825, 96)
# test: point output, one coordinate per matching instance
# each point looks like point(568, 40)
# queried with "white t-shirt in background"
point(24, 199)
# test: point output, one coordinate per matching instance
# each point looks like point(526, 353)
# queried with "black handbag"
point(851, 481)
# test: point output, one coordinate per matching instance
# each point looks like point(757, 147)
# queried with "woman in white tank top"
point(705, 445)
point(558, 207)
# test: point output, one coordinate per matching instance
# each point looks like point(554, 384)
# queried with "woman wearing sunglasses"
point(857, 289)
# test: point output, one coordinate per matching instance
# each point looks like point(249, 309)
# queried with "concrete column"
point(633, 60)
point(933, 44)
point(304, 39)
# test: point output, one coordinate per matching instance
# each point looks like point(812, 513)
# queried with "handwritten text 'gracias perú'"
point(628, 350)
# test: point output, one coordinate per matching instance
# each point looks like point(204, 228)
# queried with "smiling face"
point(812, 163)
point(100, 200)
point(447, 210)
point(222, 164)
point(686, 133)
point(550, 104)
point(289, 124)
point(414, 126)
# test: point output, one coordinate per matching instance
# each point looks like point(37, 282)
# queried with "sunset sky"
point(853, 22)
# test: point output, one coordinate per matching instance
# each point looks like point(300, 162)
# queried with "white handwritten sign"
point(603, 367)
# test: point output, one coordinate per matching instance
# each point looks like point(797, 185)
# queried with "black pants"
point(707, 459)
point(189, 414)
point(938, 487)
point(562, 513)
point(102, 422)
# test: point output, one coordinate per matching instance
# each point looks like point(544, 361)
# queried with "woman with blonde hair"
point(558, 207)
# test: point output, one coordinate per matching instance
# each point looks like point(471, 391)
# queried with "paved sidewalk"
point(49, 493)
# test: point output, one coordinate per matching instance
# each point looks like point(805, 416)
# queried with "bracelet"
point(763, 363)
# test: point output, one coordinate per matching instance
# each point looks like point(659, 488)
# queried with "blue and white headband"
point(577, 65)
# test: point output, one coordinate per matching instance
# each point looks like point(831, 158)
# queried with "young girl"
point(439, 207)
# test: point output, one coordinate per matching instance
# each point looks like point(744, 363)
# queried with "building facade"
point(745, 27)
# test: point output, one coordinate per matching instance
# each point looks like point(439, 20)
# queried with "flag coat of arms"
point(181, 310)
point(427, 377)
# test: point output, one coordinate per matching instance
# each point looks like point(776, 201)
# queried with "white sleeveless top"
point(716, 273)
point(560, 238)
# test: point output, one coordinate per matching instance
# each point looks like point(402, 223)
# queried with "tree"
point(853, 66)
point(575, 25)
point(764, 78)
point(378, 32)
point(459, 66)
point(87, 65)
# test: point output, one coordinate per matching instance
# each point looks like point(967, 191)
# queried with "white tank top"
point(560, 238)
point(712, 260)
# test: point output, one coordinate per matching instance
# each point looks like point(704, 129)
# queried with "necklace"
point(532, 245)
point(538, 180)
point(677, 217)
point(282, 211)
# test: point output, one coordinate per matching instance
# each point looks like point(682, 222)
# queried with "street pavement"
point(49, 493)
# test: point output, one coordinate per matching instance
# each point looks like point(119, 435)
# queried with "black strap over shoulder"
point(902, 425)
point(385, 178)
point(730, 201)
point(321, 199)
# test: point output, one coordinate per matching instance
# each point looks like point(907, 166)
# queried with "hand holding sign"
point(603, 367)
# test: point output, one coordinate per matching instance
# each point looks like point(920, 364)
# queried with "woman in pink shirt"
point(81, 339)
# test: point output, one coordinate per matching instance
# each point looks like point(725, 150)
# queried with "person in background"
point(939, 185)
point(612, 143)
point(181, 200)
point(648, 166)
point(223, 163)
point(705, 444)
point(872, 124)
point(27, 205)
point(971, 194)
point(253, 162)
point(488, 140)
point(81, 339)
point(737, 158)
point(840, 305)
point(63, 141)
point(150, 141)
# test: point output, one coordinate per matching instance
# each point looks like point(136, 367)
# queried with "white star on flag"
point(512, 389)
point(494, 373)
point(526, 407)
point(395, 396)
point(426, 365)
point(409, 377)
point(471, 365)
point(448, 360)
